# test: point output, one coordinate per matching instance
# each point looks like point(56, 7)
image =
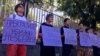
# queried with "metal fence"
point(35, 14)
point(39, 15)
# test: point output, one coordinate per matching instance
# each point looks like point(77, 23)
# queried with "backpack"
point(14, 16)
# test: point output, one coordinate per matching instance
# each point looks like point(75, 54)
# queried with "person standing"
point(96, 50)
point(80, 50)
point(88, 51)
point(46, 50)
point(16, 49)
point(66, 48)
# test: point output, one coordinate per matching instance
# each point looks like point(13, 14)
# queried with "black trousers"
point(47, 51)
point(66, 50)
point(96, 51)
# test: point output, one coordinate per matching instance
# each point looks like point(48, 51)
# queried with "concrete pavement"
point(33, 51)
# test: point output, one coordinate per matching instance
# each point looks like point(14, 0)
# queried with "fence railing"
point(35, 14)
point(39, 15)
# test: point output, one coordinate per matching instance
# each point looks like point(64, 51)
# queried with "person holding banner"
point(80, 50)
point(46, 50)
point(88, 49)
point(14, 49)
point(66, 49)
point(96, 50)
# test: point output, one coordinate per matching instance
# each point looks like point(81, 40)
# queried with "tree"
point(86, 10)
point(5, 9)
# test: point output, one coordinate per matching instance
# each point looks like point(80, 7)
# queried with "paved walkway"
point(32, 51)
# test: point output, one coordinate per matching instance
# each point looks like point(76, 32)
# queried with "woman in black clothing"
point(66, 49)
point(46, 50)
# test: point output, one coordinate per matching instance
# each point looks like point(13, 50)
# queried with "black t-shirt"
point(63, 38)
point(78, 36)
point(45, 24)
point(62, 33)
point(46, 50)
point(40, 31)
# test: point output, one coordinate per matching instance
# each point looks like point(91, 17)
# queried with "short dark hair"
point(18, 5)
point(86, 30)
point(66, 19)
point(48, 16)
